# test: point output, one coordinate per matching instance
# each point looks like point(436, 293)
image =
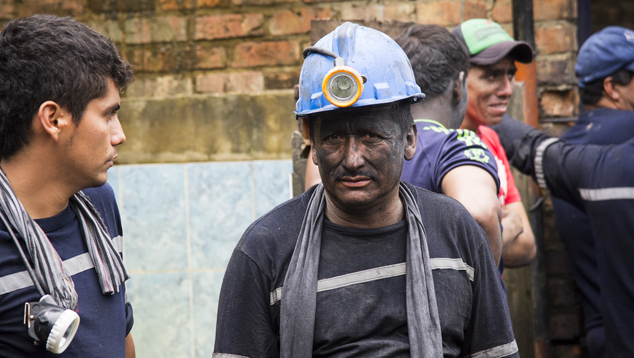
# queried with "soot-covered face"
point(360, 156)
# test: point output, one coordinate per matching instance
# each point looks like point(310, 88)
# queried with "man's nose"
point(117, 136)
point(506, 87)
point(353, 156)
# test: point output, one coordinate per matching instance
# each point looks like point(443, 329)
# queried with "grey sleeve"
point(245, 327)
point(489, 333)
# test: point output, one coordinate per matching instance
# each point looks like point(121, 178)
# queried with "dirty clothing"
point(362, 288)
point(599, 180)
point(105, 320)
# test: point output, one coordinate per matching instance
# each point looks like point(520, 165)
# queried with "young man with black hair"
point(59, 99)
point(492, 56)
point(605, 68)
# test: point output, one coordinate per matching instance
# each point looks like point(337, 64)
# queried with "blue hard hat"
point(604, 53)
point(380, 61)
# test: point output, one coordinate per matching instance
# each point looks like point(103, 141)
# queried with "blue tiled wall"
point(181, 223)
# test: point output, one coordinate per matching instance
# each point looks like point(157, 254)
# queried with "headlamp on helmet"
point(342, 85)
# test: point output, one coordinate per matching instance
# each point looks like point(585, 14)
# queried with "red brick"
point(163, 86)
point(55, 7)
point(230, 82)
point(101, 6)
point(158, 29)
point(167, 5)
point(281, 80)
point(7, 8)
point(559, 103)
point(379, 12)
point(288, 22)
point(208, 58)
point(167, 59)
point(554, 9)
point(554, 72)
point(253, 54)
point(397, 12)
point(443, 13)
point(553, 39)
point(260, 2)
point(228, 26)
point(502, 11)
point(475, 9)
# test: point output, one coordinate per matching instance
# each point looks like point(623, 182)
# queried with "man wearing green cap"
point(492, 56)
point(363, 265)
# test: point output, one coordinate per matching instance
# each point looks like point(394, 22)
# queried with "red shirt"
point(508, 191)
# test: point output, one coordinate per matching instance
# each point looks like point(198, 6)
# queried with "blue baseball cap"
point(604, 53)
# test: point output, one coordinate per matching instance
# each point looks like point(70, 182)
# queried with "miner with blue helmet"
point(362, 264)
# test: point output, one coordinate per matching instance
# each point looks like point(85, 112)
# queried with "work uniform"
point(361, 292)
point(105, 321)
point(601, 126)
point(600, 181)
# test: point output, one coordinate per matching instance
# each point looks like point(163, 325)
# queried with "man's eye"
point(333, 137)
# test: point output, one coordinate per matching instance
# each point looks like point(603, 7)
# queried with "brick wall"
point(187, 47)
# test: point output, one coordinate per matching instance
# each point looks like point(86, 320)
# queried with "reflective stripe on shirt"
point(623, 193)
point(73, 266)
point(496, 352)
point(539, 158)
point(379, 273)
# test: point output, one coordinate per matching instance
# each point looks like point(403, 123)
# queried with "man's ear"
point(51, 119)
point(610, 90)
point(457, 90)
point(411, 141)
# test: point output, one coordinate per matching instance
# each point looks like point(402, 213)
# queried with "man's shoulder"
point(276, 231)
point(447, 222)
point(602, 126)
point(103, 200)
point(435, 204)
point(101, 194)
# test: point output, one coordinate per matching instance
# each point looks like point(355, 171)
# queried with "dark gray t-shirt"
point(361, 300)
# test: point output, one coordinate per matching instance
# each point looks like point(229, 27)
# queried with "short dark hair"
point(49, 58)
point(436, 55)
point(593, 91)
point(399, 111)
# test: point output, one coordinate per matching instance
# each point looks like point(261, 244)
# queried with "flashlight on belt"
point(342, 85)
point(49, 324)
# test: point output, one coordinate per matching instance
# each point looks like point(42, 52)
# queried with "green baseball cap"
point(488, 43)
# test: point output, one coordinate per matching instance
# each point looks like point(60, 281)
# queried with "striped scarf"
point(48, 266)
point(299, 302)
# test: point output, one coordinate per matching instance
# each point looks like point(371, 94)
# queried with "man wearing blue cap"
point(363, 264)
point(605, 67)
